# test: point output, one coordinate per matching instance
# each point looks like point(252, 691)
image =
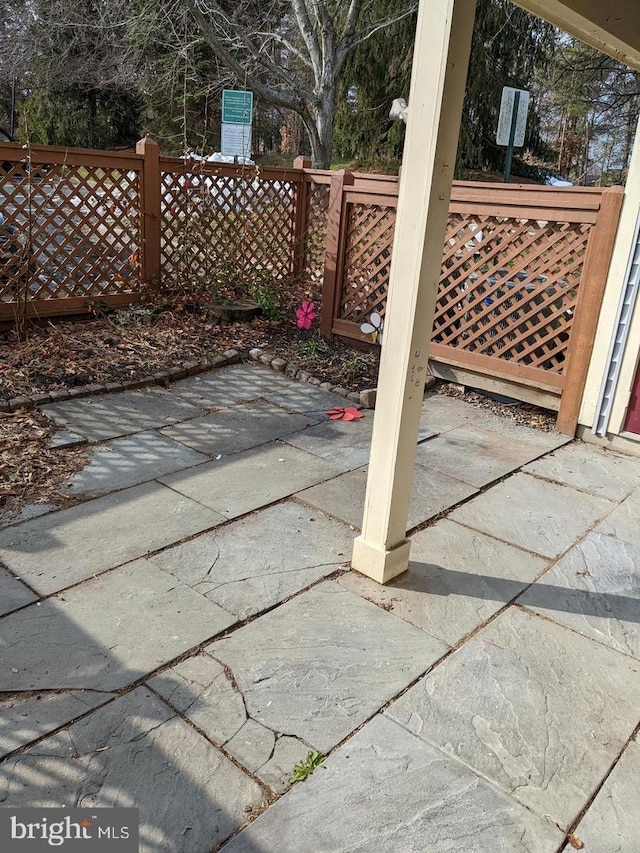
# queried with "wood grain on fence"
point(523, 267)
point(523, 272)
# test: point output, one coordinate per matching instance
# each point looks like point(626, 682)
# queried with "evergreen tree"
point(590, 107)
point(509, 46)
point(378, 71)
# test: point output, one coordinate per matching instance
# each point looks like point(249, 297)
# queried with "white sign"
point(235, 140)
point(506, 113)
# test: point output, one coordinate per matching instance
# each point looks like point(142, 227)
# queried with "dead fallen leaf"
point(575, 842)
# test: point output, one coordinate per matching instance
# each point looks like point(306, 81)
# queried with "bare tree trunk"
point(295, 61)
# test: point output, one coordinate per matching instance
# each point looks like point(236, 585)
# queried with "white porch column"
point(441, 56)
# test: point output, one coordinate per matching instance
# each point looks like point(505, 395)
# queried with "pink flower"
point(305, 314)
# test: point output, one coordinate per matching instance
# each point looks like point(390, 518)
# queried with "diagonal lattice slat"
point(508, 286)
point(72, 231)
point(315, 236)
point(367, 260)
point(219, 229)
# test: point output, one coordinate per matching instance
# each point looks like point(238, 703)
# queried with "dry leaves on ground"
point(29, 471)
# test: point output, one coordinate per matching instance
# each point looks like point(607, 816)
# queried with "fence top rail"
point(525, 195)
point(499, 185)
point(178, 166)
point(59, 155)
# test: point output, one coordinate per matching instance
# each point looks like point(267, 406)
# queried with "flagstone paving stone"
point(443, 413)
point(500, 737)
point(252, 479)
point(106, 633)
point(346, 443)
point(590, 469)
point(62, 548)
point(226, 386)
point(611, 823)
point(343, 497)
point(308, 399)
point(13, 593)
point(135, 752)
point(343, 443)
point(26, 717)
point(112, 415)
point(624, 521)
point(287, 752)
point(201, 689)
point(131, 460)
point(323, 663)
point(457, 579)
point(384, 790)
point(26, 513)
point(474, 455)
point(594, 589)
point(239, 428)
point(64, 438)
point(256, 562)
point(533, 514)
point(526, 703)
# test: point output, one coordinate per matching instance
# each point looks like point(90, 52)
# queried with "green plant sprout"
point(305, 768)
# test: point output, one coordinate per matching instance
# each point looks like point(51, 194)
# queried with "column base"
point(378, 564)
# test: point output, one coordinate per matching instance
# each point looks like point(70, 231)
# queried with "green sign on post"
point(237, 106)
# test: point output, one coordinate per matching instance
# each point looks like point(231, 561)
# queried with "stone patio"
point(190, 631)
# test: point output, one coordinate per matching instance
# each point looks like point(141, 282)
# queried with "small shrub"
point(265, 293)
point(134, 316)
point(350, 370)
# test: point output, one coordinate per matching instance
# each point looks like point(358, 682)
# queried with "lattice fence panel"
point(367, 260)
point(315, 237)
point(69, 231)
point(509, 288)
point(219, 230)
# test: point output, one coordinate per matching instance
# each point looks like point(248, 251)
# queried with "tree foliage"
point(590, 105)
point(100, 73)
point(76, 84)
point(509, 47)
point(291, 53)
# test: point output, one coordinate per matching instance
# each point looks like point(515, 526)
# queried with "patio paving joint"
point(532, 611)
point(572, 828)
point(430, 522)
point(270, 795)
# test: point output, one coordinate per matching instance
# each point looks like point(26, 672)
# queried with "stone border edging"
point(366, 399)
point(189, 368)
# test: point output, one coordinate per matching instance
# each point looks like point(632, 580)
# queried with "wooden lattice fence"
point(522, 276)
point(72, 232)
point(224, 223)
point(94, 227)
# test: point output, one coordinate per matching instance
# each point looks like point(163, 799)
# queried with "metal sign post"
point(512, 123)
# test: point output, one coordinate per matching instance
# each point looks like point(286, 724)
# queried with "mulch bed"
point(114, 348)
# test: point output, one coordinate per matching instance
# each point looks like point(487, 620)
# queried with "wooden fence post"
point(587, 310)
point(300, 217)
point(150, 212)
point(334, 248)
